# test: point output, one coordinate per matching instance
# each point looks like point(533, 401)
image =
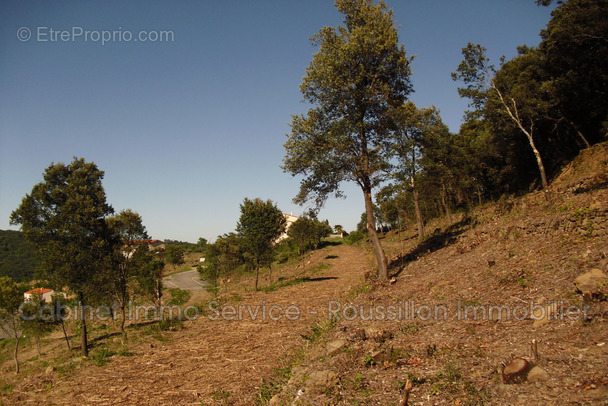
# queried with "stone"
point(335, 347)
point(593, 283)
point(537, 374)
point(322, 379)
point(543, 314)
point(378, 335)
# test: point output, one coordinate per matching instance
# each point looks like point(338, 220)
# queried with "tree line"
point(85, 249)
point(528, 117)
point(257, 242)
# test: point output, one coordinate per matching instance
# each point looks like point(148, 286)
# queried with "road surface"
point(189, 280)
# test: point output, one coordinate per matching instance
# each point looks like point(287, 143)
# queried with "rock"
point(322, 379)
point(335, 347)
point(537, 374)
point(593, 284)
point(378, 335)
point(543, 314)
point(378, 357)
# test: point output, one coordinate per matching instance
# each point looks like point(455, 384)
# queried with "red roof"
point(39, 291)
point(142, 242)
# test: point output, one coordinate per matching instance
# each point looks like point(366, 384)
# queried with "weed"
point(368, 361)
point(102, 356)
point(7, 388)
point(523, 282)
point(358, 290)
point(318, 330)
point(179, 297)
point(221, 395)
point(410, 328)
point(124, 352)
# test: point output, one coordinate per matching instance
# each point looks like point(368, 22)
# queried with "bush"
point(355, 236)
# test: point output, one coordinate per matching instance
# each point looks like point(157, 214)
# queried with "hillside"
point(17, 257)
point(513, 254)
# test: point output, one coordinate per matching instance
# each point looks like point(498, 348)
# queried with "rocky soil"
point(487, 310)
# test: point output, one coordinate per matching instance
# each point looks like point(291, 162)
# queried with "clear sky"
point(190, 117)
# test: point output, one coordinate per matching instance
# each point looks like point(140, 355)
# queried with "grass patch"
point(179, 297)
point(102, 356)
point(7, 388)
point(319, 330)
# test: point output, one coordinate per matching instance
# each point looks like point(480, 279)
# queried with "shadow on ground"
point(437, 241)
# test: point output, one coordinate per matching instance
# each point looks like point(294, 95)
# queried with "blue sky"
point(187, 126)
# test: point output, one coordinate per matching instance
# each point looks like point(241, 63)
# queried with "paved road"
point(189, 280)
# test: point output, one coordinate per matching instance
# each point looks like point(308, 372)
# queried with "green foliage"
point(149, 276)
point(174, 254)
point(356, 80)
point(18, 259)
point(222, 259)
point(355, 236)
point(102, 356)
point(260, 224)
point(553, 94)
point(11, 323)
point(307, 233)
point(64, 217)
point(178, 296)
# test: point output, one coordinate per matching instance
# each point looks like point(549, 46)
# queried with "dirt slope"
point(516, 253)
point(208, 360)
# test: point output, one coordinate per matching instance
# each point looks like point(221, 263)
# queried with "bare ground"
point(515, 253)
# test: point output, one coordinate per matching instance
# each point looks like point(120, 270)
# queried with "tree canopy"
point(64, 217)
point(357, 78)
point(260, 224)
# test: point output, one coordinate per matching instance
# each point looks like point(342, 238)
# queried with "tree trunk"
point(514, 114)
point(257, 274)
point(371, 229)
point(123, 321)
point(444, 201)
point(65, 334)
point(416, 199)
point(83, 327)
point(16, 353)
point(270, 273)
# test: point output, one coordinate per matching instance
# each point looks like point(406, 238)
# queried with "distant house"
point(153, 245)
point(45, 295)
point(289, 220)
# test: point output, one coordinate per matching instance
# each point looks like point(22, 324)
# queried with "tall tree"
point(11, 321)
point(355, 80)
point(64, 216)
point(150, 276)
point(478, 76)
point(127, 227)
point(574, 47)
point(417, 129)
point(260, 224)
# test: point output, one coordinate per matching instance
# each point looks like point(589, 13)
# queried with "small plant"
point(179, 297)
point(523, 282)
point(317, 331)
point(410, 328)
point(102, 356)
point(221, 395)
point(7, 388)
point(368, 361)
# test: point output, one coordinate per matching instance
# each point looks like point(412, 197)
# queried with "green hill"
point(17, 257)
